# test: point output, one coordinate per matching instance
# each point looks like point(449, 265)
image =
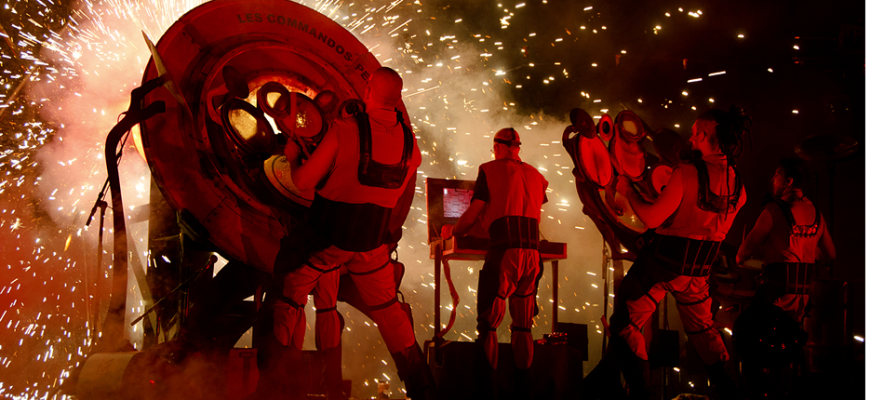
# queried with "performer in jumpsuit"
point(359, 171)
point(790, 236)
point(691, 217)
point(329, 324)
point(507, 196)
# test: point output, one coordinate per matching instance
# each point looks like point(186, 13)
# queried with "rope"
point(453, 295)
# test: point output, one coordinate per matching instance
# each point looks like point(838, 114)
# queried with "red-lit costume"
point(678, 260)
point(789, 232)
point(351, 214)
point(513, 192)
point(329, 323)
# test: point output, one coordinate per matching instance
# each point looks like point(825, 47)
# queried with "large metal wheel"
point(218, 184)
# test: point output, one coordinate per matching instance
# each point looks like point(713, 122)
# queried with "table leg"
point(438, 255)
point(555, 264)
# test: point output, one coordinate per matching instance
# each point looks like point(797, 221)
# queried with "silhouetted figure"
point(690, 217)
point(359, 171)
point(790, 237)
point(507, 199)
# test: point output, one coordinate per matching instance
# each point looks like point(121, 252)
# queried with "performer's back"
point(781, 245)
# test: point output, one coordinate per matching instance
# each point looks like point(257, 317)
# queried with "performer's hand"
point(447, 231)
point(293, 152)
point(623, 185)
point(753, 264)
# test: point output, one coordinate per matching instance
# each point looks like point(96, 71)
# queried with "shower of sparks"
point(55, 111)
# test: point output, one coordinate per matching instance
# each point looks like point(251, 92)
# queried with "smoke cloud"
point(457, 100)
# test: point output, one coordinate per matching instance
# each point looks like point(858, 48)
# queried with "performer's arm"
point(399, 213)
point(293, 153)
point(403, 205)
point(742, 201)
point(308, 175)
point(654, 214)
point(416, 157)
point(756, 237)
point(466, 221)
point(469, 217)
point(546, 185)
point(826, 245)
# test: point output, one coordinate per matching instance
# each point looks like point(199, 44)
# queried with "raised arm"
point(826, 245)
point(307, 176)
point(466, 221)
point(654, 214)
point(478, 203)
point(756, 237)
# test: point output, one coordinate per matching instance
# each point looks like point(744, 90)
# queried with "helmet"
point(508, 137)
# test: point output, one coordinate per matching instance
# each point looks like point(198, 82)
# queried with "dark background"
point(823, 79)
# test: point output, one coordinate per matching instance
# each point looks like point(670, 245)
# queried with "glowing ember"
point(66, 70)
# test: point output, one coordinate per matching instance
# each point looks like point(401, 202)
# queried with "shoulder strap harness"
point(373, 173)
point(712, 202)
point(801, 231)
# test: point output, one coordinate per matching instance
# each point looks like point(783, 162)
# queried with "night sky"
point(66, 69)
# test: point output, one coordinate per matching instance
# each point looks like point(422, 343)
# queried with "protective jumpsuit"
point(513, 192)
point(678, 260)
point(353, 219)
point(329, 323)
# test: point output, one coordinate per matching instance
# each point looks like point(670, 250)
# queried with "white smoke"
point(101, 61)
point(456, 105)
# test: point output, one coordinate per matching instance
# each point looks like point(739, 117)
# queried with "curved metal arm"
point(113, 337)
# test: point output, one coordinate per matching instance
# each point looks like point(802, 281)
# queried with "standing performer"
point(329, 323)
point(509, 194)
point(691, 217)
point(791, 236)
point(359, 171)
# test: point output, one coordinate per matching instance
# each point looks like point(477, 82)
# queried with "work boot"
point(723, 379)
point(281, 378)
point(635, 370)
point(276, 363)
point(277, 380)
point(636, 373)
point(487, 376)
point(524, 384)
point(603, 381)
point(330, 382)
point(415, 373)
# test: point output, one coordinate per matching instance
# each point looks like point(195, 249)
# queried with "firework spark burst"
point(68, 68)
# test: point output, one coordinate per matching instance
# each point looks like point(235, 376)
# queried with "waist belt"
point(513, 232)
point(685, 256)
point(797, 277)
point(350, 227)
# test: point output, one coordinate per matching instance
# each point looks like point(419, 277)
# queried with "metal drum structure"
point(624, 146)
point(228, 86)
point(603, 152)
point(216, 165)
